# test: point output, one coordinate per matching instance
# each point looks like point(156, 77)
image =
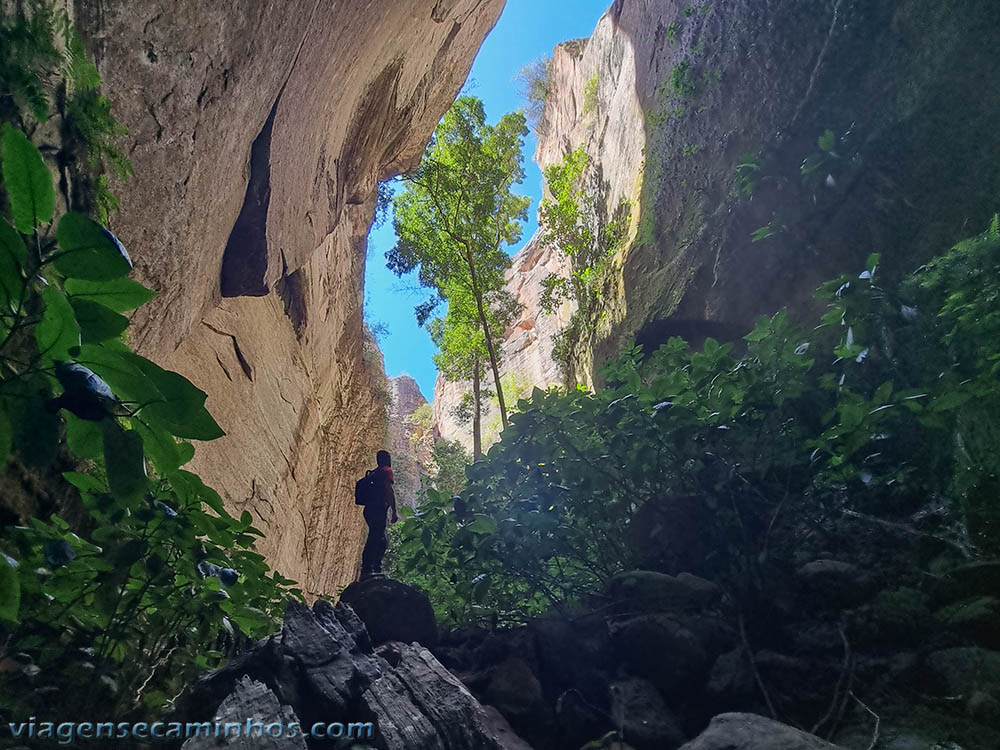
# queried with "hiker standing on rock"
point(374, 492)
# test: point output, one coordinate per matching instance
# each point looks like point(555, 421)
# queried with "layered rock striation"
point(322, 668)
point(258, 134)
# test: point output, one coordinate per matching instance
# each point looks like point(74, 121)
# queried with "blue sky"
point(527, 30)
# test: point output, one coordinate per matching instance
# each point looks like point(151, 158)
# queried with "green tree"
point(458, 212)
point(450, 460)
point(463, 352)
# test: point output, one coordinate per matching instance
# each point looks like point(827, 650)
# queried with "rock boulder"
point(752, 732)
point(392, 611)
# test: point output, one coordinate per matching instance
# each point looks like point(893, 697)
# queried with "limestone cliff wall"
point(686, 92)
point(411, 435)
point(258, 132)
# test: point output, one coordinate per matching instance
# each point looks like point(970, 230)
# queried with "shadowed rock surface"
point(392, 611)
point(321, 668)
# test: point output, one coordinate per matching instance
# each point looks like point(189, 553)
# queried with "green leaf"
point(34, 428)
point(12, 257)
point(181, 407)
point(120, 295)
point(57, 332)
point(97, 322)
point(84, 438)
point(483, 525)
point(950, 400)
point(125, 462)
point(827, 141)
point(117, 367)
point(10, 591)
point(27, 180)
point(88, 250)
point(84, 482)
point(185, 451)
point(160, 446)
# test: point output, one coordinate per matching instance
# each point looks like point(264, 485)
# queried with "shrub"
point(883, 426)
point(533, 87)
point(121, 609)
point(590, 94)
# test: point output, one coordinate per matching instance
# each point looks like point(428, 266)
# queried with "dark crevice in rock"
point(292, 290)
point(240, 356)
point(244, 262)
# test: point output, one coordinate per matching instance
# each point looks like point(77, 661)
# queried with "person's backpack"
point(367, 489)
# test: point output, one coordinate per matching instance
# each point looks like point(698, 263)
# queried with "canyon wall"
point(708, 119)
point(258, 133)
point(768, 146)
point(411, 435)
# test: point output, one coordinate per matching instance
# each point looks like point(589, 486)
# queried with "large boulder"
point(962, 671)
point(834, 584)
point(646, 722)
point(392, 611)
point(977, 617)
point(752, 732)
point(253, 702)
point(662, 650)
point(974, 579)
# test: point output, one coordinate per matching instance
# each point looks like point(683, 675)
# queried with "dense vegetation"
point(148, 579)
point(885, 409)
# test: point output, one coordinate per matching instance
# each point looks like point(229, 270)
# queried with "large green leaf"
point(182, 408)
point(12, 257)
point(125, 462)
point(116, 366)
point(57, 331)
point(97, 322)
point(160, 446)
point(34, 427)
point(88, 251)
point(84, 437)
point(121, 295)
point(27, 180)
point(10, 591)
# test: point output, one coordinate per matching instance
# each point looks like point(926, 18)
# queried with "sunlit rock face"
point(411, 435)
point(687, 91)
point(258, 133)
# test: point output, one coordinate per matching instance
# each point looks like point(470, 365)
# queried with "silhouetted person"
point(379, 498)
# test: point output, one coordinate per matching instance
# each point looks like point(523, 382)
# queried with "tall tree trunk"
point(477, 293)
point(477, 419)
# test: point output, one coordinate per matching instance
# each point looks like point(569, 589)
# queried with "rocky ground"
point(840, 653)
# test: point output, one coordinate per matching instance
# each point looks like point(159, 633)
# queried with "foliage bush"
point(43, 61)
point(888, 407)
point(572, 220)
point(118, 611)
point(590, 94)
